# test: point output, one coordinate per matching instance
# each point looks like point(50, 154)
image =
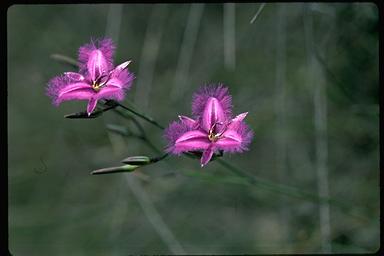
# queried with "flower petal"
point(111, 93)
point(173, 132)
point(115, 82)
point(207, 155)
point(91, 105)
point(62, 88)
point(96, 57)
point(240, 117)
point(76, 77)
point(235, 122)
point(213, 114)
point(75, 91)
point(116, 86)
point(230, 141)
point(218, 91)
point(187, 121)
point(122, 79)
point(191, 135)
point(122, 66)
point(97, 64)
point(191, 140)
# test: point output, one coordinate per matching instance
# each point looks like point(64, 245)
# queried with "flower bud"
point(137, 160)
point(116, 169)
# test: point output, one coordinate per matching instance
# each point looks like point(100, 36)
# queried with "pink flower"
point(97, 78)
point(212, 130)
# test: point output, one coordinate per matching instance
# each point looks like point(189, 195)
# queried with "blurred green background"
point(306, 73)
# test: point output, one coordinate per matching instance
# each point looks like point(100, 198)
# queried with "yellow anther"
point(96, 86)
point(213, 137)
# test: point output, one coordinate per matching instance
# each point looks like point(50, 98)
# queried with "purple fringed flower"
point(213, 129)
point(97, 78)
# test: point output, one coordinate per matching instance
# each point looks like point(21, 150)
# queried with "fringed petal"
point(62, 88)
point(213, 115)
point(182, 138)
point(235, 140)
point(234, 123)
point(96, 58)
point(219, 91)
point(74, 76)
point(190, 141)
point(173, 132)
point(188, 121)
point(111, 93)
point(121, 78)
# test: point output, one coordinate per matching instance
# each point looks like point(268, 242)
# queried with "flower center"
point(99, 83)
point(96, 86)
point(213, 137)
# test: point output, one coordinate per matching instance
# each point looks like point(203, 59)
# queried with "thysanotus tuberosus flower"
point(97, 77)
point(212, 127)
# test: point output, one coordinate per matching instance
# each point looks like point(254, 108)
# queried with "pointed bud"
point(137, 160)
point(123, 168)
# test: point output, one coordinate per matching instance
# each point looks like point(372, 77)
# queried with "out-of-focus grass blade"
point(290, 191)
point(119, 129)
point(258, 13)
point(64, 59)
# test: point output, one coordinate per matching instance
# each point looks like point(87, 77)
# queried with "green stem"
point(159, 158)
point(143, 116)
point(137, 124)
point(288, 190)
point(84, 114)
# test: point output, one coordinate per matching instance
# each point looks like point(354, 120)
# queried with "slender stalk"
point(114, 18)
point(153, 216)
point(149, 54)
point(143, 116)
point(156, 159)
point(320, 124)
point(186, 51)
point(262, 5)
point(64, 59)
point(85, 115)
point(142, 136)
point(291, 191)
point(135, 122)
point(280, 113)
point(229, 24)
